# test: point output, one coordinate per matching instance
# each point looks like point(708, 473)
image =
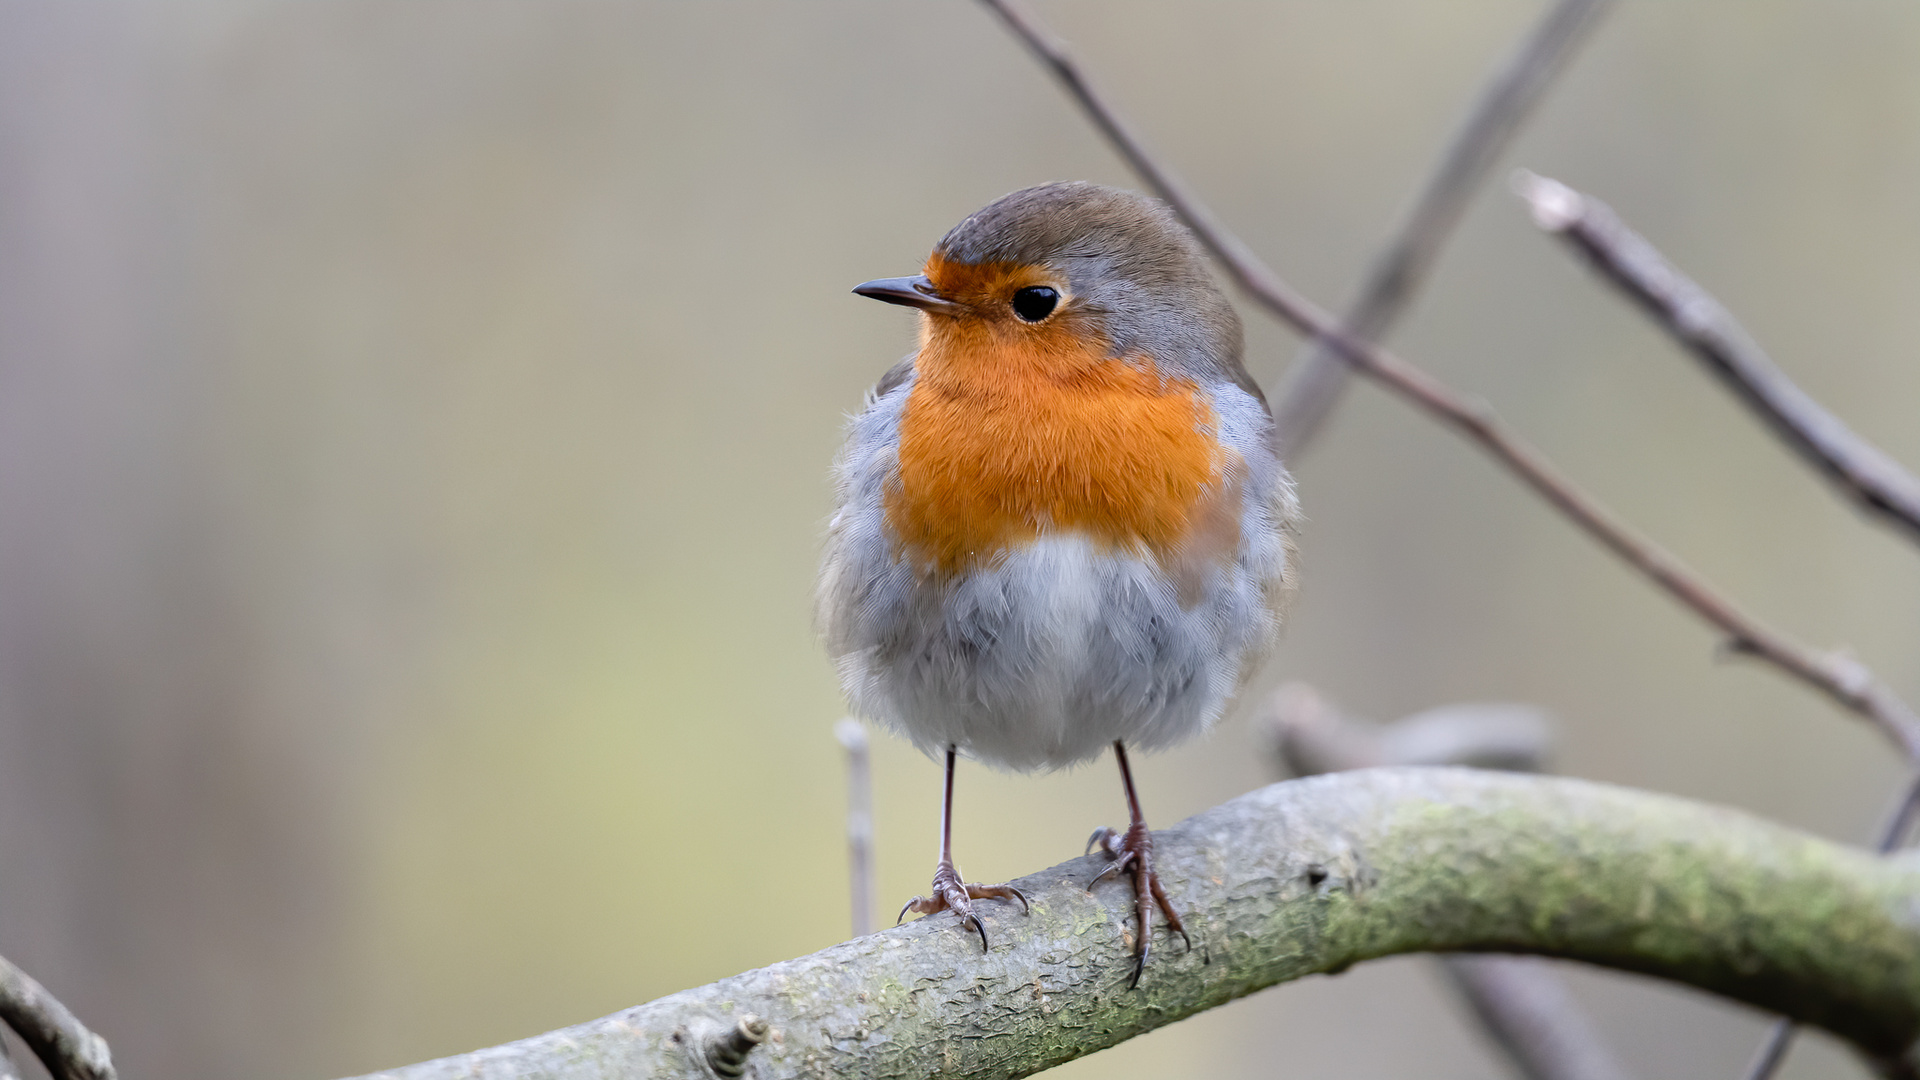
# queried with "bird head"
point(1072, 263)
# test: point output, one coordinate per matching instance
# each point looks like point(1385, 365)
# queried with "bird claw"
point(1133, 850)
point(952, 894)
point(1103, 838)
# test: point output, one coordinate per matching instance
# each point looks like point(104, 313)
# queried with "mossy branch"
point(1301, 878)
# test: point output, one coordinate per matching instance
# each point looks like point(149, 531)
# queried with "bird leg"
point(1132, 850)
point(949, 892)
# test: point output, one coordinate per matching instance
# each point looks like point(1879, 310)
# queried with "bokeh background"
point(414, 431)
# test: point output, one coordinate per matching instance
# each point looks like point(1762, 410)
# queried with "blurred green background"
point(414, 431)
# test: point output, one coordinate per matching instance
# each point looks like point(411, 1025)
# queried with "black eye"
point(1035, 302)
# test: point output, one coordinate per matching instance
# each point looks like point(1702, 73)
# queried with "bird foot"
point(1132, 850)
point(952, 894)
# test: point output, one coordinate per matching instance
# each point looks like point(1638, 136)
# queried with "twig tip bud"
point(727, 1052)
point(1555, 205)
point(851, 733)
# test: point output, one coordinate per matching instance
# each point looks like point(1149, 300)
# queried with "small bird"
point(1060, 523)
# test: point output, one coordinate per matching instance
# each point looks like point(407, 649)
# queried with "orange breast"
point(1013, 430)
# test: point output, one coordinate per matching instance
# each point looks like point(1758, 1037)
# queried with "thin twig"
point(1521, 1002)
point(1772, 1052)
point(1899, 821)
point(853, 737)
point(1524, 1004)
point(1311, 736)
point(1838, 675)
point(1312, 386)
point(1697, 321)
point(63, 1044)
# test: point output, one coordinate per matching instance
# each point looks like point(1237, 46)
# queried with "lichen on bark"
point(1308, 877)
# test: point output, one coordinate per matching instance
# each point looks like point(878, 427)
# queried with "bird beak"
point(915, 291)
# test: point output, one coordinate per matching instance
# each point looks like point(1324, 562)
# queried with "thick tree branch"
point(1841, 677)
point(1299, 878)
point(1312, 386)
point(61, 1042)
point(1696, 320)
point(1520, 1001)
point(1772, 1052)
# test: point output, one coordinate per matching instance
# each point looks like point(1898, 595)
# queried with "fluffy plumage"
point(1051, 536)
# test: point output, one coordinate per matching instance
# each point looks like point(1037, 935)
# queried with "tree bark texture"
point(1302, 878)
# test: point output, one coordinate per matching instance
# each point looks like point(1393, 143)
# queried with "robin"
point(1061, 525)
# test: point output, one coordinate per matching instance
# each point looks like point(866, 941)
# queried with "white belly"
point(1047, 658)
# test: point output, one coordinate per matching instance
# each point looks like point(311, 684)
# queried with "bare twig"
point(727, 1051)
point(853, 737)
point(1233, 253)
point(1298, 878)
point(1694, 318)
point(1311, 736)
point(1698, 321)
point(62, 1043)
point(1772, 1052)
point(1525, 1005)
point(1899, 821)
point(1312, 386)
point(1521, 1002)
point(1838, 675)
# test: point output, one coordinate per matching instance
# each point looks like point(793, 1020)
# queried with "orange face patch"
point(987, 286)
point(1015, 429)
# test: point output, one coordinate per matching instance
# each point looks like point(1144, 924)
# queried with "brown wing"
point(897, 374)
point(1213, 535)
